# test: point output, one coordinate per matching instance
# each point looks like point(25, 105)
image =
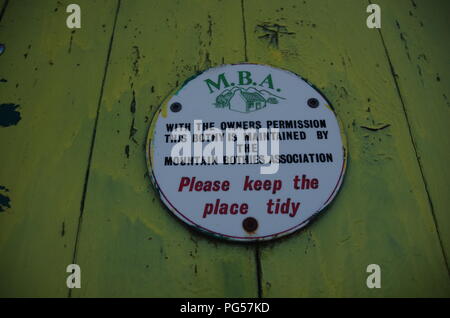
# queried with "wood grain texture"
point(73, 177)
point(129, 244)
point(54, 76)
point(382, 214)
point(414, 33)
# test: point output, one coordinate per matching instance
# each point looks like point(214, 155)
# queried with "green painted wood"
point(54, 75)
point(382, 214)
point(129, 243)
point(414, 33)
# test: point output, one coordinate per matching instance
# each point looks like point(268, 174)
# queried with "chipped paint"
point(5, 201)
point(9, 116)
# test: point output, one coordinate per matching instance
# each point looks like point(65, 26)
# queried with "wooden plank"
point(382, 214)
point(414, 33)
point(54, 75)
point(129, 243)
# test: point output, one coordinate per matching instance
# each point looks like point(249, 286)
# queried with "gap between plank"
point(243, 29)
point(258, 270)
point(94, 133)
point(2, 13)
point(430, 202)
point(257, 247)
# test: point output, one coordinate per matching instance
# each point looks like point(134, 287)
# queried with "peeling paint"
point(272, 33)
point(9, 116)
point(376, 128)
point(4, 200)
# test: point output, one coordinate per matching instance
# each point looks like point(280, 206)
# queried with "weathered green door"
point(73, 179)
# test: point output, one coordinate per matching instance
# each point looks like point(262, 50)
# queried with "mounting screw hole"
point(175, 107)
point(250, 224)
point(313, 103)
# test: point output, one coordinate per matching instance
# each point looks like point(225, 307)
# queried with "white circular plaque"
point(246, 152)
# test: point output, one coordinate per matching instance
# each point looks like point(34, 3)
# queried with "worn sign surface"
point(246, 152)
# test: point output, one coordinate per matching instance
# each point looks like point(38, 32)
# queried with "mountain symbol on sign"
point(245, 100)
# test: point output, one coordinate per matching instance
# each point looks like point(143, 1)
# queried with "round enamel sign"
point(246, 152)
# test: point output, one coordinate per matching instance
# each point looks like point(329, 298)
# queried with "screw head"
point(175, 107)
point(250, 224)
point(2, 48)
point(313, 102)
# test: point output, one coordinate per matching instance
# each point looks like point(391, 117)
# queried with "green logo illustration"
point(245, 100)
point(238, 98)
